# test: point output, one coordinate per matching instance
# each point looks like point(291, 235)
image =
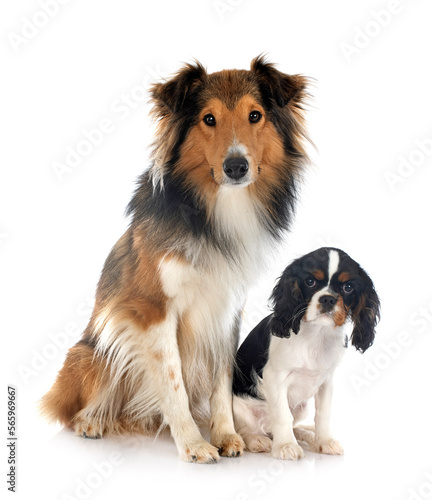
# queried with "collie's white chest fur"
point(209, 286)
point(207, 290)
point(205, 296)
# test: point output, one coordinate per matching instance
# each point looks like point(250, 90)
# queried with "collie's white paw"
point(201, 452)
point(288, 451)
point(257, 443)
point(330, 447)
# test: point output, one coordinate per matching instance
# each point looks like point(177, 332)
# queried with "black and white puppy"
point(276, 373)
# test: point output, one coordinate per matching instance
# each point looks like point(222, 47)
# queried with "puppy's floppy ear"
point(280, 87)
point(288, 306)
point(365, 315)
point(169, 97)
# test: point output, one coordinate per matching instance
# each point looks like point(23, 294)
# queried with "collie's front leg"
point(166, 376)
point(223, 434)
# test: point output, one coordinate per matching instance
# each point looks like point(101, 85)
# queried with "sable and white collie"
point(276, 373)
point(160, 344)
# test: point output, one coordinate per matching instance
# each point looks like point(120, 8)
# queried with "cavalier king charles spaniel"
point(276, 372)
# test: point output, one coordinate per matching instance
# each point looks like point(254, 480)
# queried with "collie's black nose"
point(327, 302)
point(236, 167)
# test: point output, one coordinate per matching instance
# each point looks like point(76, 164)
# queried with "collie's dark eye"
point(209, 120)
point(255, 116)
point(347, 288)
point(310, 282)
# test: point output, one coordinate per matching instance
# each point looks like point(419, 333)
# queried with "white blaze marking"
point(333, 263)
point(314, 309)
point(237, 149)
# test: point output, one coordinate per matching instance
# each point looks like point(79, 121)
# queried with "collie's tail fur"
point(82, 382)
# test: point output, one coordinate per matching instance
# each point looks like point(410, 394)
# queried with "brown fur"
point(206, 146)
point(135, 297)
point(340, 312)
point(72, 391)
point(318, 274)
point(205, 149)
point(344, 276)
point(82, 377)
point(120, 377)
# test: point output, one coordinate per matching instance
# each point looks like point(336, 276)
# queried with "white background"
point(372, 108)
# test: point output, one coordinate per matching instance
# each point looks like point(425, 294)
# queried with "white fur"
point(237, 148)
point(237, 216)
point(298, 368)
point(333, 263)
point(207, 294)
point(313, 311)
point(206, 291)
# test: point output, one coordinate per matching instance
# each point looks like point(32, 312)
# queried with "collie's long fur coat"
point(220, 192)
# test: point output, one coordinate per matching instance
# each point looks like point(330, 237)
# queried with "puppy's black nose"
point(236, 167)
point(327, 302)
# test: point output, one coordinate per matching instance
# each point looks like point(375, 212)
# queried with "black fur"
point(364, 303)
point(275, 87)
point(180, 94)
point(366, 314)
point(289, 306)
point(174, 209)
point(290, 299)
point(88, 341)
point(251, 358)
point(176, 212)
point(277, 92)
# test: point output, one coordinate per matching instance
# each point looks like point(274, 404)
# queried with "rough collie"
point(220, 192)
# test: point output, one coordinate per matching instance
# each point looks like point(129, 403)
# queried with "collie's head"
point(230, 130)
point(326, 288)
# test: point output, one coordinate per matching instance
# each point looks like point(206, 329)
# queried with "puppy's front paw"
point(330, 447)
point(257, 443)
point(229, 445)
point(201, 452)
point(288, 451)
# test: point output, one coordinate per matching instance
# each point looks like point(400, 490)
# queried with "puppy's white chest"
point(303, 364)
point(303, 385)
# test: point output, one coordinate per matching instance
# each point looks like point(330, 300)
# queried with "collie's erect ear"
point(289, 306)
point(280, 87)
point(169, 97)
point(365, 315)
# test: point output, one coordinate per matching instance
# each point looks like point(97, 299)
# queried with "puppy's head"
point(326, 287)
point(228, 128)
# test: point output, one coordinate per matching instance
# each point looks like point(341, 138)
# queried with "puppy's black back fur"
point(251, 358)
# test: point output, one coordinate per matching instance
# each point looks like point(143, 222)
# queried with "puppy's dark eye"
point(209, 120)
point(255, 116)
point(347, 288)
point(310, 282)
